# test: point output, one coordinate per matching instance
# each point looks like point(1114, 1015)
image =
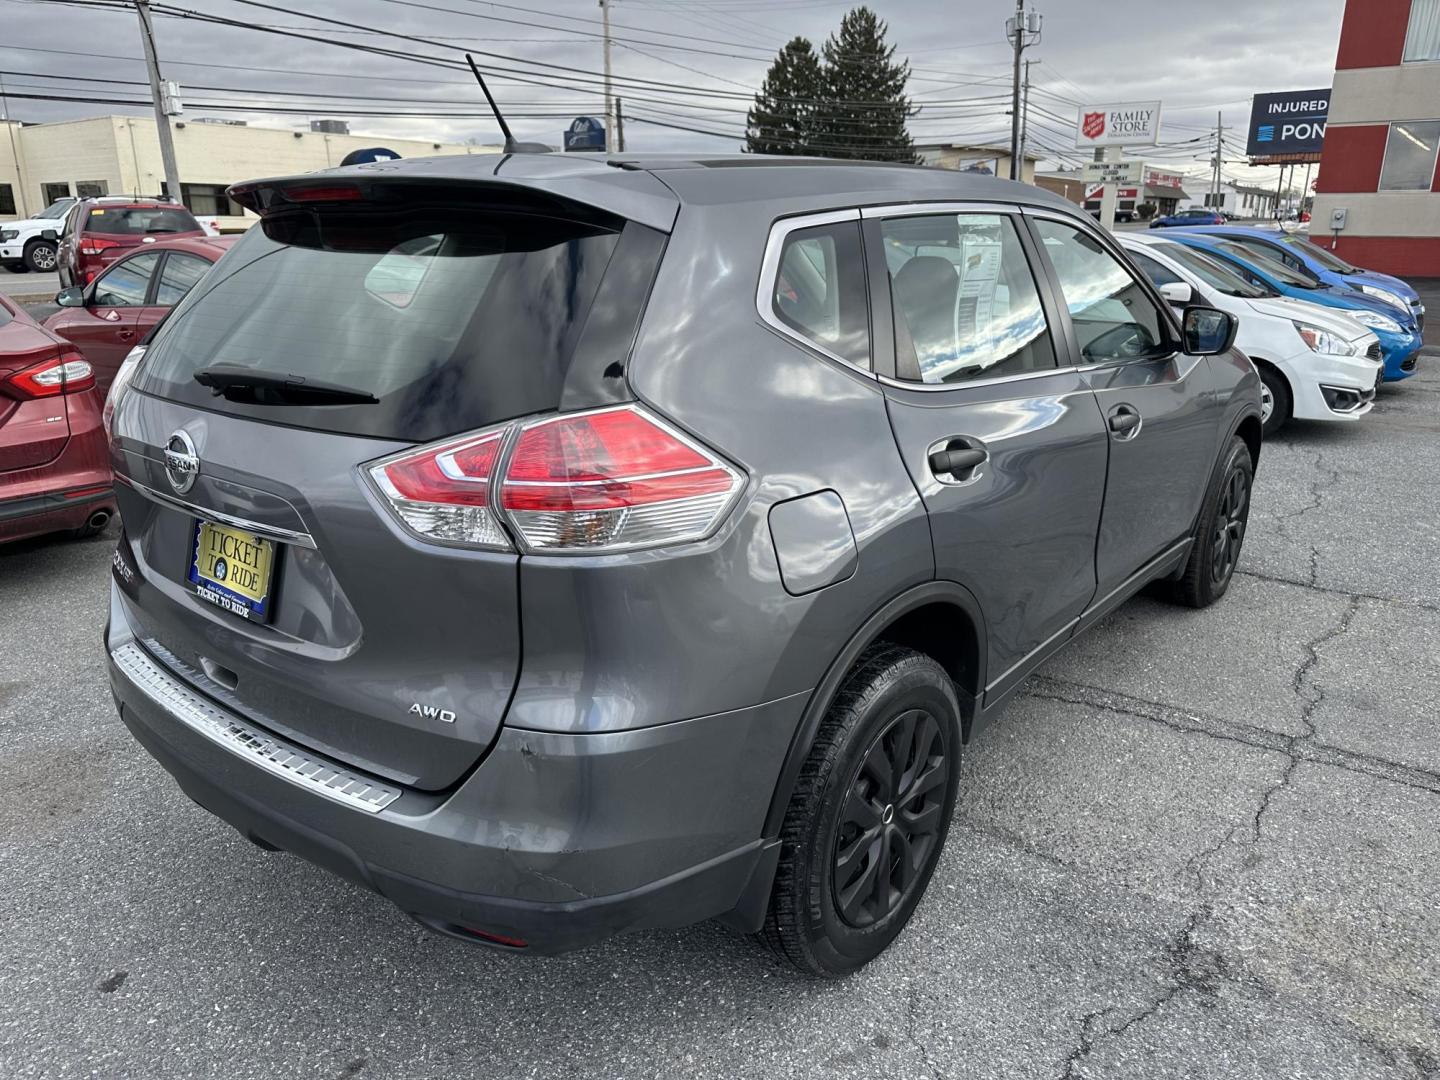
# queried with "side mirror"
point(1209, 332)
point(49, 234)
point(1177, 292)
point(74, 296)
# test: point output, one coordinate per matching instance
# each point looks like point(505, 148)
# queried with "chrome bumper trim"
point(299, 767)
point(259, 528)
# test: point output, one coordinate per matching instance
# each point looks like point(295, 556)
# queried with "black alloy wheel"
point(890, 819)
point(1228, 533)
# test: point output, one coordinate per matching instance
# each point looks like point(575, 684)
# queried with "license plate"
point(233, 569)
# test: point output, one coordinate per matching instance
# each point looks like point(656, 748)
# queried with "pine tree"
point(864, 106)
point(782, 119)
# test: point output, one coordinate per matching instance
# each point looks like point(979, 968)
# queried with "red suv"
point(54, 468)
point(99, 231)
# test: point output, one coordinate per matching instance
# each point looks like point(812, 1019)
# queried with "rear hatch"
point(366, 319)
point(111, 231)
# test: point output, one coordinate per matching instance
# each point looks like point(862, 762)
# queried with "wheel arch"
point(941, 619)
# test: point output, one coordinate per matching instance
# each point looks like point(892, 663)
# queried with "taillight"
point(442, 491)
point(609, 480)
point(123, 375)
point(68, 373)
point(94, 245)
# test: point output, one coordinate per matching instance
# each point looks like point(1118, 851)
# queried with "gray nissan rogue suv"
point(567, 545)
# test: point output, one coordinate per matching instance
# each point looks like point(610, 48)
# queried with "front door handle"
point(1124, 421)
point(126, 335)
point(955, 461)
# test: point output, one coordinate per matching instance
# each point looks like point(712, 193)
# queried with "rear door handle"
point(1124, 421)
point(956, 461)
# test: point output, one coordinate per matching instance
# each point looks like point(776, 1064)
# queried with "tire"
point(1209, 569)
point(1276, 402)
point(896, 706)
point(41, 256)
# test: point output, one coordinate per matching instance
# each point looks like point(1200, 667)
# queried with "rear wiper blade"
point(279, 388)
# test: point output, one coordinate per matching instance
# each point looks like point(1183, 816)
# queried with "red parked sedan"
point(107, 318)
point(54, 466)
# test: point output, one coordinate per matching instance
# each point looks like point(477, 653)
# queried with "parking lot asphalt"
point(1201, 844)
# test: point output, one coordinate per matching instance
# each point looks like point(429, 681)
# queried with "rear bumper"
point(555, 840)
point(60, 511)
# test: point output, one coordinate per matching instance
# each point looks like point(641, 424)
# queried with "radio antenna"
point(511, 146)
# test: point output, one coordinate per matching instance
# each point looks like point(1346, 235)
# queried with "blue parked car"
point(1196, 215)
point(1300, 254)
point(1399, 334)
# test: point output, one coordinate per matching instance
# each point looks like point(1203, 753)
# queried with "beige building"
point(988, 160)
point(120, 155)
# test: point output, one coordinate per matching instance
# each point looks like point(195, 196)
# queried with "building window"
point(1422, 40)
point(91, 189)
point(1410, 155)
point(50, 193)
point(7, 199)
point(209, 199)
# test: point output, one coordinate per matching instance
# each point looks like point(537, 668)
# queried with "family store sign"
point(1135, 123)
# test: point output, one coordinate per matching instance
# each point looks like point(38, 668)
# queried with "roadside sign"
point(1114, 172)
point(1134, 123)
point(1289, 123)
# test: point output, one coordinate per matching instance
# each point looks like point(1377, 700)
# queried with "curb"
point(32, 298)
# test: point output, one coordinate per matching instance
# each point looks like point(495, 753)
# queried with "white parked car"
point(32, 243)
point(1316, 363)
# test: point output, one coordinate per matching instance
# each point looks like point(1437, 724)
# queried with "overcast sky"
point(685, 63)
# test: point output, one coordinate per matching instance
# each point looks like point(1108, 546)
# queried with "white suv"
point(34, 243)
point(1316, 363)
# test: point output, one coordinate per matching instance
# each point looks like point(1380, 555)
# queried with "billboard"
point(1287, 123)
point(584, 133)
point(1133, 123)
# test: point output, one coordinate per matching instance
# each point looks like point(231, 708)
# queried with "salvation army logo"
point(1092, 125)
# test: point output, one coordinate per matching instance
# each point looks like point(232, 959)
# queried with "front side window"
point(1114, 319)
point(1264, 263)
point(1422, 37)
point(1410, 155)
point(125, 284)
point(180, 273)
point(820, 290)
point(1270, 251)
point(966, 305)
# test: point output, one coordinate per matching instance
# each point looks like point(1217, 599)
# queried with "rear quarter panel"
point(646, 638)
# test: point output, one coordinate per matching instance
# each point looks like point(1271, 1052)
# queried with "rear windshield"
point(124, 221)
point(452, 319)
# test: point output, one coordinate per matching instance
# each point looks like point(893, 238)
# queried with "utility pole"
point(1215, 200)
point(609, 101)
point(1025, 113)
point(162, 117)
point(14, 151)
point(1023, 30)
point(619, 126)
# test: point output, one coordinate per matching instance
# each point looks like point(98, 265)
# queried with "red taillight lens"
point(609, 480)
point(94, 245)
point(68, 373)
point(443, 491)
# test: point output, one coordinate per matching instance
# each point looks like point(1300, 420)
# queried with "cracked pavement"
point(1200, 844)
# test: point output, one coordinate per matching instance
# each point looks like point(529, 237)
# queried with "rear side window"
point(453, 319)
point(966, 304)
point(5, 316)
point(178, 276)
point(126, 283)
point(127, 221)
point(820, 290)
